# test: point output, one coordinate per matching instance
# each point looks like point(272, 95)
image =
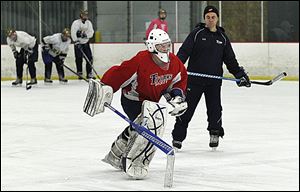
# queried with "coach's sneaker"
point(177, 145)
point(18, 81)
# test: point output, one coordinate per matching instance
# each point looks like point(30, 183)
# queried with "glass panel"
point(283, 21)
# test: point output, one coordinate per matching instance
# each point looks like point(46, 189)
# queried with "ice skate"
point(48, 81)
point(17, 82)
point(33, 81)
point(214, 142)
point(176, 145)
point(63, 81)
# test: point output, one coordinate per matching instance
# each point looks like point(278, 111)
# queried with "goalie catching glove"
point(98, 95)
point(179, 106)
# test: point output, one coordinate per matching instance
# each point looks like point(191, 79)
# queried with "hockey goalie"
point(143, 80)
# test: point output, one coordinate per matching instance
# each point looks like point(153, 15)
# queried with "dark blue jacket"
point(206, 52)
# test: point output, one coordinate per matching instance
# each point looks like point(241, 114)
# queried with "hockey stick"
point(270, 82)
point(87, 59)
point(27, 86)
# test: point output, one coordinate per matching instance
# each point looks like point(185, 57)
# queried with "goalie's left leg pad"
point(140, 151)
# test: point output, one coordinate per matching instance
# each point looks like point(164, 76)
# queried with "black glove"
point(78, 34)
point(83, 35)
point(46, 48)
point(244, 81)
point(62, 57)
point(16, 54)
point(28, 52)
point(243, 77)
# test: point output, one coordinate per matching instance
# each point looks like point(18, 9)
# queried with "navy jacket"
point(206, 52)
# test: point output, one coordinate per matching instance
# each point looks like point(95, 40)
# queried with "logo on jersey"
point(219, 42)
point(159, 80)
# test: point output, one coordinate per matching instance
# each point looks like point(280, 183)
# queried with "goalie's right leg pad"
point(140, 151)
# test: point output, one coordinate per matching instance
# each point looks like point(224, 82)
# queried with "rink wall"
point(261, 60)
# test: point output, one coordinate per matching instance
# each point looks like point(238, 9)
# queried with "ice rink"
point(48, 143)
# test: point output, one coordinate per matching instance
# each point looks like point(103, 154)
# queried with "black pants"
point(21, 60)
point(212, 95)
point(132, 110)
point(48, 66)
point(79, 58)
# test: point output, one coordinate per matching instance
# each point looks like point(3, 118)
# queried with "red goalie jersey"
point(141, 79)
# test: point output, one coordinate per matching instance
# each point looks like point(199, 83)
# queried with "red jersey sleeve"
point(116, 76)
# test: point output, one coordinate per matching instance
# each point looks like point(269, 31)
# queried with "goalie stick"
point(151, 137)
point(270, 82)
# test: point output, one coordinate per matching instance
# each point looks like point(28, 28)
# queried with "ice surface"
point(48, 143)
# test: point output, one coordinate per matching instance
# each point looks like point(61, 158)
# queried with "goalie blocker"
point(98, 94)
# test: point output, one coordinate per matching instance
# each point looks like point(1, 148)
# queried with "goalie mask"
point(159, 43)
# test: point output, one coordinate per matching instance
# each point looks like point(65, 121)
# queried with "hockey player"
point(207, 47)
point(148, 76)
point(158, 23)
point(81, 31)
point(28, 54)
point(55, 49)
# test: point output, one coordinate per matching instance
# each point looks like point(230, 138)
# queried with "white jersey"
point(58, 46)
point(24, 40)
point(87, 28)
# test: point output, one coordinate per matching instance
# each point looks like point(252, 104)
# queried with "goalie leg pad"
point(140, 151)
point(117, 149)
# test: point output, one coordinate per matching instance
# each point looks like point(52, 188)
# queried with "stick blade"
point(279, 77)
point(169, 174)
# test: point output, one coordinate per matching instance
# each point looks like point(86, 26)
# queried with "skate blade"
point(214, 149)
point(18, 85)
point(108, 162)
point(176, 149)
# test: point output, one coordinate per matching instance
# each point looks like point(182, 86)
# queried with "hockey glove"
point(46, 48)
point(179, 106)
point(78, 34)
point(243, 77)
point(83, 35)
point(28, 52)
point(62, 57)
point(16, 54)
point(244, 81)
